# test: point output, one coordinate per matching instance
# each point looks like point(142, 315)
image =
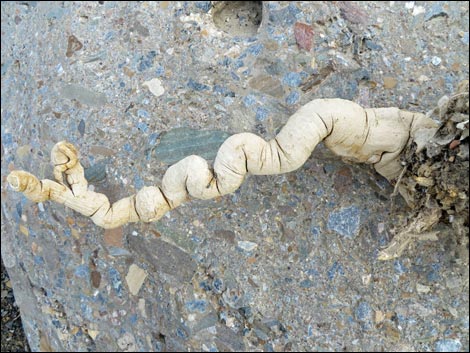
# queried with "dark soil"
point(13, 337)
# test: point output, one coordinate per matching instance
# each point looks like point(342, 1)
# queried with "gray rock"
point(163, 257)
point(345, 221)
point(182, 142)
point(83, 95)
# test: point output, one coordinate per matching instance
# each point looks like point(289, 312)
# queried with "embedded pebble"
point(436, 60)
point(155, 87)
point(135, 278)
point(303, 35)
point(83, 95)
point(345, 221)
point(267, 267)
point(247, 245)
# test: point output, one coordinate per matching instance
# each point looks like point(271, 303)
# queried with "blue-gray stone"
point(224, 91)
point(182, 142)
point(335, 269)
point(205, 6)
point(81, 127)
point(306, 283)
point(96, 173)
point(345, 221)
point(115, 279)
point(372, 45)
point(142, 126)
point(255, 49)
point(363, 311)
point(249, 100)
point(261, 113)
point(293, 98)
point(197, 305)
point(197, 86)
point(292, 79)
point(448, 345)
point(145, 62)
point(399, 267)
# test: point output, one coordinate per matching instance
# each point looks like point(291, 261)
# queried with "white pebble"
point(247, 245)
point(436, 60)
point(155, 87)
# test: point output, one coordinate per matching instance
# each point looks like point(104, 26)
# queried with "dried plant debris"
point(434, 181)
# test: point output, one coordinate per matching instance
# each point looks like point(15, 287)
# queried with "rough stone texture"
point(313, 281)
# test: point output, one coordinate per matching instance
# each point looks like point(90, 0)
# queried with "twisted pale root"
point(375, 136)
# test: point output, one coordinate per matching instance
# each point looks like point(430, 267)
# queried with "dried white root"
point(373, 136)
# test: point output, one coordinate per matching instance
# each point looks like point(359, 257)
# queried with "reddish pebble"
point(454, 144)
point(303, 35)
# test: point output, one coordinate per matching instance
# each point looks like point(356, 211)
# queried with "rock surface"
point(287, 262)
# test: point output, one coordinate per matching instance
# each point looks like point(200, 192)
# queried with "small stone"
point(96, 173)
point(345, 221)
point(197, 305)
point(342, 180)
point(303, 35)
point(83, 95)
point(73, 45)
point(420, 288)
point(293, 98)
point(268, 85)
point(24, 230)
point(363, 311)
point(205, 6)
point(379, 316)
point(454, 144)
point(164, 257)
point(141, 306)
point(139, 28)
point(306, 283)
point(135, 278)
point(81, 127)
point(436, 60)
point(179, 143)
point(93, 334)
point(390, 82)
point(155, 87)
point(95, 279)
point(225, 235)
point(448, 345)
point(197, 86)
point(113, 237)
point(101, 150)
point(247, 245)
point(292, 79)
point(352, 12)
